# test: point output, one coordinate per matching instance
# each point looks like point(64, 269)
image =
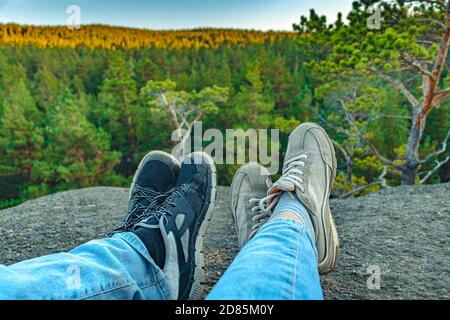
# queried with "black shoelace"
point(163, 212)
point(139, 211)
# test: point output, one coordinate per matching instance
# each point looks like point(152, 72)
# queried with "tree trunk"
point(411, 165)
point(349, 173)
point(430, 86)
point(409, 173)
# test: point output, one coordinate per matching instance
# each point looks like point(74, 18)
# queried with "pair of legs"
point(285, 232)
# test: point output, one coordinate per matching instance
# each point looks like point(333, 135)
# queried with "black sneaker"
point(183, 220)
point(155, 177)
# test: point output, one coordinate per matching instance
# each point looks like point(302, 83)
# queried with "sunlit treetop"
point(107, 37)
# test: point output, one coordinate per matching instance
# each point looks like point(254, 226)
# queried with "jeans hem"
point(134, 241)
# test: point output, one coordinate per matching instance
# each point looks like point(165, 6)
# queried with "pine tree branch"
point(374, 150)
point(429, 101)
point(393, 116)
point(440, 96)
point(435, 21)
point(172, 111)
point(427, 42)
point(342, 150)
point(437, 152)
point(416, 65)
point(400, 86)
point(439, 164)
point(381, 181)
point(378, 155)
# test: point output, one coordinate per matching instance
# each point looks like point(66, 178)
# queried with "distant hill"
point(109, 37)
point(403, 231)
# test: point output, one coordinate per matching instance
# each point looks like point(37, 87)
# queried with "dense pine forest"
point(106, 37)
point(77, 109)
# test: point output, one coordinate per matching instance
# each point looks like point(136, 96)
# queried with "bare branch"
point(429, 100)
point(358, 190)
point(400, 86)
point(439, 164)
point(327, 123)
point(440, 96)
point(437, 152)
point(439, 23)
point(379, 156)
point(426, 42)
point(382, 177)
point(381, 181)
point(445, 91)
point(171, 110)
point(198, 117)
point(382, 115)
point(374, 150)
point(183, 123)
point(416, 65)
point(342, 150)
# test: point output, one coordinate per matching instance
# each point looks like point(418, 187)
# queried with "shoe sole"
point(144, 160)
point(199, 271)
point(332, 248)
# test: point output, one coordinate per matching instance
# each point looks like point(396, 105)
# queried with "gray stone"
point(403, 231)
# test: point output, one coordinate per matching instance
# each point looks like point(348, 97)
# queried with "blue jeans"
point(280, 262)
point(117, 268)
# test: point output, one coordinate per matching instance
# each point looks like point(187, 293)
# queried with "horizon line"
point(148, 29)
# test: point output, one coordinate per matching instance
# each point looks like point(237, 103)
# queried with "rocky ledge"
point(403, 233)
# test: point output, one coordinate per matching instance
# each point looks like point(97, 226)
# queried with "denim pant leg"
point(280, 263)
point(117, 268)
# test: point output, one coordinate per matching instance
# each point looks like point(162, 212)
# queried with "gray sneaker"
point(310, 170)
point(250, 185)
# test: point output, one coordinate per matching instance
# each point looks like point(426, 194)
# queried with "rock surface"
point(402, 232)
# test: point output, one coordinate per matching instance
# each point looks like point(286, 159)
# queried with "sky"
point(172, 14)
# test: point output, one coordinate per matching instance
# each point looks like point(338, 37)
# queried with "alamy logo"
point(233, 147)
point(73, 281)
point(374, 20)
point(74, 19)
point(374, 280)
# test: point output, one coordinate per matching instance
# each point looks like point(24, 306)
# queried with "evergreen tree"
point(47, 87)
point(77, 154)
point(184, 108)
point(252, 105)
point(408, 56)
point(21, 140)
point(118, 109)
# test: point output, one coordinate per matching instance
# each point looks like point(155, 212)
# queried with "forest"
point(79, 108)
point(111, 38)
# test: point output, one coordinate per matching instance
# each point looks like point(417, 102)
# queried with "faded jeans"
point(279, 263)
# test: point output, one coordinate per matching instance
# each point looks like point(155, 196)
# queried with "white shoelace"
point(292, 173)
point(261, 216)
point(263, 207)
